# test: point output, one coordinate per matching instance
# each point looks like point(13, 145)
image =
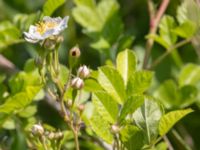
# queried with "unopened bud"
point(58, 135)
point(51, 135)
point(69, 103)
point(81, 107)
point(114, 129)
point(83, 72)
point(38, 62)
point(75, 52)
point(77, 83)
point(49, 44)
point(59, 39)
point(37, 129)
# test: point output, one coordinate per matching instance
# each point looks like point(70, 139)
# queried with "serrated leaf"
point(51, 5)
point(139, 82)
point(101, 127)
point(147, 118)
point(132, 137)
point(106, 106)
point(126, 64)
point(168, 120)
point(131, 105)
point(112, 82)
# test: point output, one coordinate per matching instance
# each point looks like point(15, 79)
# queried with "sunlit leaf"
point(106, 106)
point(126, 64)
point(112, 82)
point(168, 120)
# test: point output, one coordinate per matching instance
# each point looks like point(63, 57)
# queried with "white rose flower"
point(47, 28)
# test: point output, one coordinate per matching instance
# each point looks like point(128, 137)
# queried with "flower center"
point(42, 27)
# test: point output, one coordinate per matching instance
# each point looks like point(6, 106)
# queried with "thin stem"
point(43, 143)
point(168, 51)
point(154, 21)
point(76, 139)
point(170, 147)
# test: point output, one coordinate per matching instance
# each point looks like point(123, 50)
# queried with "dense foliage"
point(107, 74)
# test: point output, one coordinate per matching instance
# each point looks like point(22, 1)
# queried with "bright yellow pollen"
point(43, 26)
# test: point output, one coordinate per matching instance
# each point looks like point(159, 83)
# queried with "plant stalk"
point(154, 21)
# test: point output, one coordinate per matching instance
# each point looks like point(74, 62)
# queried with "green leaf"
point(132, 137)
point(126, 64)
point(125, 42)
point(21, 80)
point(189, 75)
point(167, 93)
point(9, 34)
point(20, 100)
point(166, 25)
point(185, 30)
point(131, 105)
point(173, 97)
point(139, 82)
point(92, 85)
point(51, 5)
point(100, 126)
point(186, 96)
point(99, 21)
point(9, 124)
point(106, 106)
point(112, 82)
point(168, 120)
point(28, 111)
point(147, 118)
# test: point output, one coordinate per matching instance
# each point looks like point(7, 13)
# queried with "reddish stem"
point(154, 21)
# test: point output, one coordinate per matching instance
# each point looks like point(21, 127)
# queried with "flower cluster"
point(83, 72)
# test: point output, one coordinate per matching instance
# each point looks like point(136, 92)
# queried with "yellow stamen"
point(43, 26)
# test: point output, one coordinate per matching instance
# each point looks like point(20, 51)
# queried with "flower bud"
point(37, 129)
point(114, 129)
point(59, 39)
point(83, 72)
point(49, 44)
point(69, 103)
point(77, 83)
point(51, 135)
point(75, 52)
point(81, 107)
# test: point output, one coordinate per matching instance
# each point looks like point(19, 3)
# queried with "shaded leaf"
point(132, 137)
point(189, 75)
point(51, 5)
point(139, 82)
point(131, 105)
point(147, 118)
